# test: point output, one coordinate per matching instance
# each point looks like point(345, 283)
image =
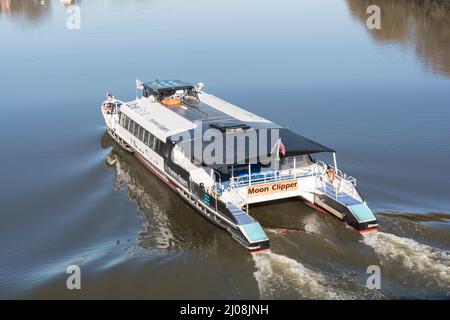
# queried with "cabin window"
point(139, 129)
point(145, 136)
point(131, 126)
point(122, 119)
point(156, 145)
point(141, 134)
point(147, 139)
point(151, 141)
point(167, 150)
point(161, 147)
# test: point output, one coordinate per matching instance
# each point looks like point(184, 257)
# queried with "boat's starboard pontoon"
point(174, 125)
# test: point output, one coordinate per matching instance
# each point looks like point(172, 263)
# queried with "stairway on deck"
point(241, 216)
point(232, 196)
point(342, 197)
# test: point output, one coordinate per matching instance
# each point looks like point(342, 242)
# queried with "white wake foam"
point(280, 276)
point(415, 257)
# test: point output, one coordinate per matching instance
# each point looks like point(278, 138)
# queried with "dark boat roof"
point(295, 145)
point(211, 112)
point(165, 85)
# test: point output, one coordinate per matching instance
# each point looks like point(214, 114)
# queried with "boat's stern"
point(352, 211)
point(255, 237)
point(247, 231)
point(361, 217)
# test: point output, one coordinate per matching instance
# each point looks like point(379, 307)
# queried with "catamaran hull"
point(191, 200)
point(149, 129)
point(319, 202)
point(328, 205)
point(236, 235)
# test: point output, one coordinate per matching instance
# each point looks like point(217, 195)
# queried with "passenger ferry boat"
point(174, 124)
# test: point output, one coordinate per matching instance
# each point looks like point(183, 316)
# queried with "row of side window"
point(142, 134)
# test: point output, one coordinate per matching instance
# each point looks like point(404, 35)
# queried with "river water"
point(381, 98)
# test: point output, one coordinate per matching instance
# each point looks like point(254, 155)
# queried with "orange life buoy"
point(169, 102)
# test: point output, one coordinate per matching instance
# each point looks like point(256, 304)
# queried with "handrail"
point(341, 183)
point(339, 173)
point(269, 176)
point(234, 189)
point(261, 177)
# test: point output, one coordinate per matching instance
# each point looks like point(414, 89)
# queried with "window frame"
point(131, 127)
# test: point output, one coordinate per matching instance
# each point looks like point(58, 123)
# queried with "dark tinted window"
point(166, 150)
point(146, 137)
point(152, 141)
point(131, 127)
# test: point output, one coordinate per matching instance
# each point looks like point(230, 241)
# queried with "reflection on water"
point(169, 224)
point(421, 24)
point(156, 224)
point(28, 10)
point(68, 3)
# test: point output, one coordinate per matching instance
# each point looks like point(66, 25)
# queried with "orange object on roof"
point(169, 102)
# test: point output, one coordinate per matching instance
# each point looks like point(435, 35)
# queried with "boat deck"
point(343, 191)
point(341, 197)
point(262, 178)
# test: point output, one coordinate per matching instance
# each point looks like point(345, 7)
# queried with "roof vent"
point(223, 127)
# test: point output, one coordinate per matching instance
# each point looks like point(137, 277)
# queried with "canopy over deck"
point(253, 138)
point(247, 146)
point(296, 144)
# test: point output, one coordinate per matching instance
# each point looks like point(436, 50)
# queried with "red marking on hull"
point(368, 230)
point(259, 250)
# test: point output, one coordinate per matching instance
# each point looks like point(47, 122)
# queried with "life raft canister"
point(169, 102)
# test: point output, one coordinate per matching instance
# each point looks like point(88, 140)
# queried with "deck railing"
point(342, 183)
point(272, 176)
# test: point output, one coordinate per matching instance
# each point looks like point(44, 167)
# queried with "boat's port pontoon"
point(174, 127)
